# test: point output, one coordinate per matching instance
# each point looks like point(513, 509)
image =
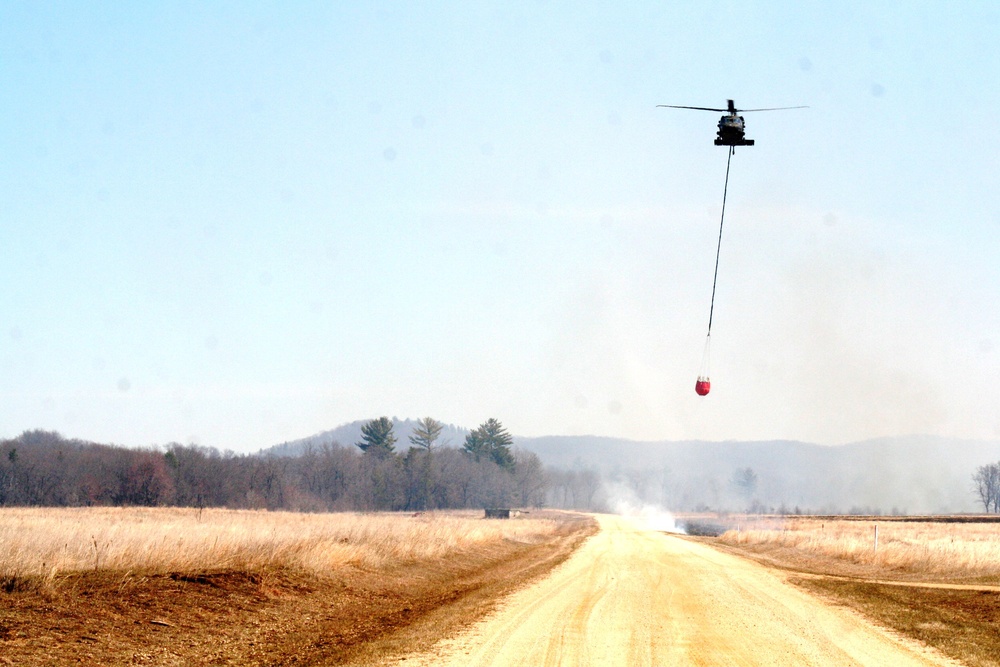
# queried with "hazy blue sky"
point(242, 223)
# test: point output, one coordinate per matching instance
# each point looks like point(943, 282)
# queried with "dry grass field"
point(39, 545)
point(955, 550)
point(180, 586)
point(934, 579)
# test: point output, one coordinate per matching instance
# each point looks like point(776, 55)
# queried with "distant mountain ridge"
point(907, 474)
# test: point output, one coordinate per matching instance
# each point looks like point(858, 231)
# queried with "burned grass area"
point(962, 624)
point(351, 614)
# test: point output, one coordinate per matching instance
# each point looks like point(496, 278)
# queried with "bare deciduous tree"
point(529, 477)
point(986, 482)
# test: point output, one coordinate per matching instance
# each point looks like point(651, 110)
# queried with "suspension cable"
point(715, 277)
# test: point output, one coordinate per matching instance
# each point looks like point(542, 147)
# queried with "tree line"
point(42, 468)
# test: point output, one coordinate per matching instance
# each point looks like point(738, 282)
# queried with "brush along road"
point(632, 596)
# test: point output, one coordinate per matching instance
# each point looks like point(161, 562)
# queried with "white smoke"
point(623, 501)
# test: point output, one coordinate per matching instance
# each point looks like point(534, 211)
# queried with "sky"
point(236, 224)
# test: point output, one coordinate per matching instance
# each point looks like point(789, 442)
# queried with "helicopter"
point(732, 127)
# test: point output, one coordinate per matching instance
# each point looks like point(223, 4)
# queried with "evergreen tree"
point(491, 441)
point(377, 438)
point(419, 465)
point(426, 433)
point(475, 445)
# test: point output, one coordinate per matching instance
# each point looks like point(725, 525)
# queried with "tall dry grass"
point(41, 544)
point(954, 549)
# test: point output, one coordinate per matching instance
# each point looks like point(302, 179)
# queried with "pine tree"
point(491, 441)
point(426, 433)
point(377, 438)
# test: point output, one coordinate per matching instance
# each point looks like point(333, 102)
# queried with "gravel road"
point(633, 596)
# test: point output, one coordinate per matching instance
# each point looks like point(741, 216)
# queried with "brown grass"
point(939, 549)
point(40, 545)
point(934, 581)
point(179, 587)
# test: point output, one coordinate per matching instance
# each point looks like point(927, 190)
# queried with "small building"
point(497, 513)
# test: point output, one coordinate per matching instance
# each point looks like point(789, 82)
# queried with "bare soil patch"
point(352, 614)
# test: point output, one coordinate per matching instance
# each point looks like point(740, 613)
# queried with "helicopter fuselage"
point(732, 131)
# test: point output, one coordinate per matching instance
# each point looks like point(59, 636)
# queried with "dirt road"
point(632, 596)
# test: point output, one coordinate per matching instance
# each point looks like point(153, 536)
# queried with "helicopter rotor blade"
point(674, 106)
point(771, 109)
